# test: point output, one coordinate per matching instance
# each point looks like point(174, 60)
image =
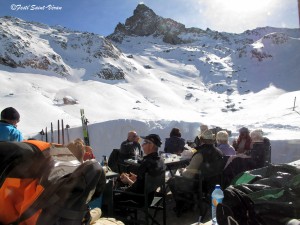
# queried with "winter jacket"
point(207, 160)
point(127, 150)
point(151, 164)
point(174, 145)
point(226, 149)
point(261, 153)
point(246, 146)
point(9, 132)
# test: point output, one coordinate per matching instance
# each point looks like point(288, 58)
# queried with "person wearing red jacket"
point(88, 153)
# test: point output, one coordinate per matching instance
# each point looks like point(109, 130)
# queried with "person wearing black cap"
point(8, 125)
point(151, 164)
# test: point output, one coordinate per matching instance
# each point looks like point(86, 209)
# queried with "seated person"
point(236, 164)
point(87, 150)
point(197, 141)
point(129, 147)
point(242, 144)
point(223, 144)
point(206, 162)
point(8, 125)
point(77, 149)
point(260, 149)
point(174, 144)
point(88, 153)
point(151, 164)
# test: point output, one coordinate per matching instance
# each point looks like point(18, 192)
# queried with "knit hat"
point(208, 135)
point(10, 113)
point(222, 135)
point(154, 138)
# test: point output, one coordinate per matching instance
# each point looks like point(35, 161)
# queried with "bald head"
point(132, 136)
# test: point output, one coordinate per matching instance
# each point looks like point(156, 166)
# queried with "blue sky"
point(101, 16)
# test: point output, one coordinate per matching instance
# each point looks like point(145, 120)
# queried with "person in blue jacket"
point(8, 125)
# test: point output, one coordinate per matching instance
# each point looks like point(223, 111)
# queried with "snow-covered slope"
point(71, 54)
point(171, 76)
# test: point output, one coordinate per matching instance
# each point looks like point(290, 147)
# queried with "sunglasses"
point(147, 142)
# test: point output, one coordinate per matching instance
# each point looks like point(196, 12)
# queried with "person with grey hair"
point(223, 144)
point(260, 149)
point(8, 125)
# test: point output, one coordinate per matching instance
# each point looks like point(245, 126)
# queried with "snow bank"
point(105, 136)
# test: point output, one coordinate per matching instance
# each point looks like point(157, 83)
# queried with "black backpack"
point(48, 184)
point(269, 195)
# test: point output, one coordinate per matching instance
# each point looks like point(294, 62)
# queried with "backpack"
point(269, 195)
point(43, 183)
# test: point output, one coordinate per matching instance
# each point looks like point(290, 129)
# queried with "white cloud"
point(236, 15)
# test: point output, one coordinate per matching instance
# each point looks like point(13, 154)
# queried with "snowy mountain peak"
point(145, 22)
point(143, 11)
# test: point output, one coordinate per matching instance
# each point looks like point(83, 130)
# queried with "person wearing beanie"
point(8, 125)
point(223, 144)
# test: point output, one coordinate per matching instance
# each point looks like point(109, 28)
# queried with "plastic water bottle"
point(216, 198)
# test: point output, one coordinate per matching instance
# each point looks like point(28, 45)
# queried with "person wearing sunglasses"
point(151, 164)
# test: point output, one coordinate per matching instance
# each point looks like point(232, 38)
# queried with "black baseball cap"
point(153, 138)
point(10, 113)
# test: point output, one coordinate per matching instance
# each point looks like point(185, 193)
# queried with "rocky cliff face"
point(145, 22)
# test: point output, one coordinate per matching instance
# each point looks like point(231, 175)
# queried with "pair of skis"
point(85, 131)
